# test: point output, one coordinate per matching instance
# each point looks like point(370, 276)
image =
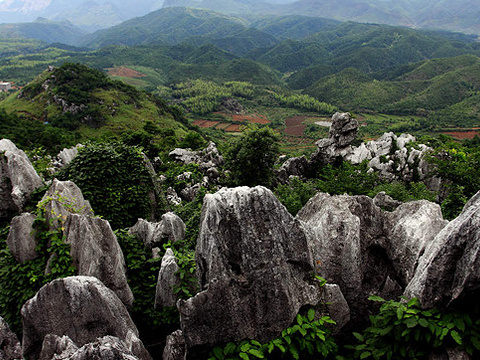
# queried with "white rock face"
point(167, 280)
point(449, 270)
point(81, 308)
point(65, 156)
point(18, 178)
point(95, 252)
point(170, 228)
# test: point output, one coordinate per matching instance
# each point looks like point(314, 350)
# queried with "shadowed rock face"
point(10, 347)
point(81, 308)
point(18, 178)
point(366, 250)
point(167, 280)
point(95, 252)
point(170, 228)
point(21, 238)
point(254, 266)
point(449, 270)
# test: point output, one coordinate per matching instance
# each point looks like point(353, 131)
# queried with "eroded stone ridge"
point(254, 266)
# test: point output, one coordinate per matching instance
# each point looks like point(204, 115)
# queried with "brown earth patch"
point(462, 135)
point(205, 123)
point(253, 118)
point(123, 71)
point(294, 125)
point(233, 128)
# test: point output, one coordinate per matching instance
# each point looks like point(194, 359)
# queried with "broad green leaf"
point(230, 348)
point(411, 322)
point(311, 315)
point(359, 336)
point(400, 311)
point(456, 336)
point(299, 319)
point(423, 322)
point(244, 356)
point(256, 353)
point(376, 298)
point(218, 352)
point(365, 354)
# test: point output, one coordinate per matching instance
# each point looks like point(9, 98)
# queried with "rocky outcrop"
point(206, 158)
point(167, 280)
point(252, 273)
point(410, 229)
point(95, 252)
point(449, 270)
point(170, 228)
point(343, 131)
point(366, 250)
point(10, 348)
point(81, 308)
point(336, 306)
point(62, 199)
point(105, 348)
point(297, 166)
point(21, 238)
point(18, 179)
point(175, 349)
point(386, 202)
point(65, 156)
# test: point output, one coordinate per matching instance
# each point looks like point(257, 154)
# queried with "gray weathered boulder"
point(18, 179)
point(10, 347)
point(81, 308)
point(61, 199)
point(105, 348)
point(336, 306)
point(349, 245)
point(386, 202)
point(297, 166)
point(185, 156)
point(343, 129)
point(175, 349)
point(410, 229)
point(167, 280)
point(21, 238)
point(95, 252)
point(449, 270)
point(65, 156)
point(170, 228)
point(252, 273)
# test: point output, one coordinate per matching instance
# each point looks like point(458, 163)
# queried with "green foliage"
point(193, 140)
point(405, 191)
point(113, 177)
point(251, 157)
point(295, 194)
point(20, 281)
point(305, 102)
point(185, 257)
point(308, 337)
point(403, 330)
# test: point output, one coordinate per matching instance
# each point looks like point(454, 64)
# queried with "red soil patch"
point(222, 126)
point(125, 72)
point(253, 118)
point(294, 125)
point(205, 123)
point(461, 135)
point(233, 128)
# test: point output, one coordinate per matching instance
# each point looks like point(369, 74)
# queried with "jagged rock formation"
point(62, 199)
point(175, 349)
point(167, 280)
point(21, 238)
point(10, 347)
point(81, 308)
point(336, 306)
point(366, 250)
point(65, 156)
point(252, 273)
point(105, 348)
point(297, 166)
point(95, 252)
point(449, 270)
point(170, 228)
point(18, 179)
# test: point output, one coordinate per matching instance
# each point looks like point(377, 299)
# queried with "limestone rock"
point(349, 245)
point(105, 348)
point(96, 252)
point(81, 308)
point(386, 202)
point(56, 345)
point(185, 156)
point(449, 270)
point(21, 238)
point(170, 228)
point(10, 347)
point(337, 307)
point(18, 178)
point(410, 229)
point(252, 273)
point(65, 156)
point(167, 280)
point(172, 197)
point(297, 166)
point(64, 198)
point(175, 349)
point(344, 129)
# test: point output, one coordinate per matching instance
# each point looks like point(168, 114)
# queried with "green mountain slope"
point(85, 102)
point(172, 25)
point(43, 30)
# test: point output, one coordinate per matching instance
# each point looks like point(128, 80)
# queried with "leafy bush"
point(113, 177)
point(295, 194)
point(403, 330)
point(308, 337)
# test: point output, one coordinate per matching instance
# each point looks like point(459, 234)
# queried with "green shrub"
point(402, 330)
point(113, 177)
point(295, 194)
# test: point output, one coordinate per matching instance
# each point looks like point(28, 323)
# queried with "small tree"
point(251, 157)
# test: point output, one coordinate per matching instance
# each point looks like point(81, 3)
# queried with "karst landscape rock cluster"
point(256, 263)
